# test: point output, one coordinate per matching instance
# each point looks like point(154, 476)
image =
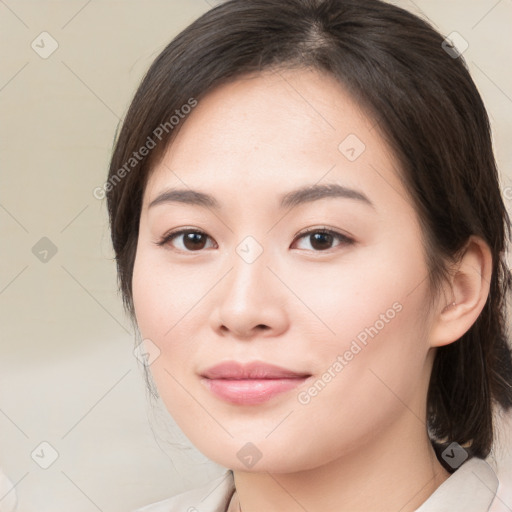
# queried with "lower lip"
point(250, 391)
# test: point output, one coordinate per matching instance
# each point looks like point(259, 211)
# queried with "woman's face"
point(330, 285)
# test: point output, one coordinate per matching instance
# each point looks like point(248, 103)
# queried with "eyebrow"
point(291, 199)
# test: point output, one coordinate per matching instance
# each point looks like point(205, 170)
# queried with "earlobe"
point(468, 290)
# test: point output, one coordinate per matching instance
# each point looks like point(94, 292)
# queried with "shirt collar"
point(472, 488)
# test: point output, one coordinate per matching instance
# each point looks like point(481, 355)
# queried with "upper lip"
point(254, 370)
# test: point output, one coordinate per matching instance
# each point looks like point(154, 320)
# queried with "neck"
point(385, 474)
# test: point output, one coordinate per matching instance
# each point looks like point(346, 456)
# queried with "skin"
point(361, 443)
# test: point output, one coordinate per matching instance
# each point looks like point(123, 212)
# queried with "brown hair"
point(428, 109)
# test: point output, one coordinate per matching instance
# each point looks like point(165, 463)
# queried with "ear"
point(468, 290)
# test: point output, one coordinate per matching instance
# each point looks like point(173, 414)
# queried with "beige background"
point(68, 375)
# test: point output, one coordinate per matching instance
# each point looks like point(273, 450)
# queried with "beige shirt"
point(472, 488)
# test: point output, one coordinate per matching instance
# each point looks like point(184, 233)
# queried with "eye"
point(191, 240)
point(321, 239)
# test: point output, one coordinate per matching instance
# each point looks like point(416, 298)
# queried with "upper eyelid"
point(327, 229)
point(181, 231)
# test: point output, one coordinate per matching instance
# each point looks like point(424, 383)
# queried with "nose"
point(251, 301)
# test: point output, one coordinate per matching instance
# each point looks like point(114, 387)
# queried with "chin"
point(262, 457)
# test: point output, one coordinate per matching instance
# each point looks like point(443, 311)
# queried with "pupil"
point(323, 238)
point(195, 241)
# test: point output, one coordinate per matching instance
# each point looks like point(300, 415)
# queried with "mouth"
point(250, 384)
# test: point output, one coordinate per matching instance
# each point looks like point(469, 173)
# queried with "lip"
point(252, 383)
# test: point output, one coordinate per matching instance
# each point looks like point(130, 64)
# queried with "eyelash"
point(343, 239)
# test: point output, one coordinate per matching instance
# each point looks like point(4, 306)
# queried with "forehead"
point(277, 129)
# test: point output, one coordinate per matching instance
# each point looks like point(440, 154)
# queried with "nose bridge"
point(249, 271)
point(249, 297)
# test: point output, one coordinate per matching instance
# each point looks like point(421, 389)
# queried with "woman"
point(310, 238)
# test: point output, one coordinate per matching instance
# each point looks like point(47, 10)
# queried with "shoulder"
point(472, 488)
point(213, 497)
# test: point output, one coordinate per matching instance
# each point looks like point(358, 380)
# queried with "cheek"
point(364, 291)
point(170, 311)
point(162, 296)
point(372, 375)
